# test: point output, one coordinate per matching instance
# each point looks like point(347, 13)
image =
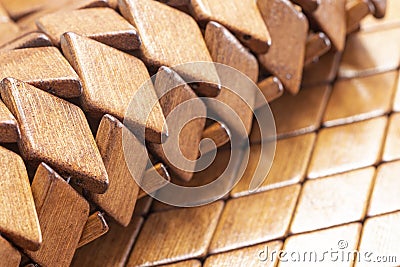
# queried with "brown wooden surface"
point(19, 8)
point(8, 125)
point(190, 263)
point(218, 134)
point(101, 24)
point(119, 200)
point(9, 31)
point(153, 184)
point(9, 255)
point(390, 20)
point(111, 92)
point(31, 65)
point(241, 17)
point(317, 45)
point(380, 8)
point(62, 217)
point(391, 150)
point(355, 11)
point(285, 58)
point(95, 227)
point(18, 220)
point(307, 5)
point(271, 88)
point(73, 153)
point(396, 98)
point(30, 40)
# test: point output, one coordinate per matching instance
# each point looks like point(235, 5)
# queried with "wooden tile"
point(8, 126)
point(307, 5)
point(119, 200)
point(396, 100)
point(176, 3)
point(95, 227)
point(390, 20)
point(218, 134)
point(347, 147)
point(301, 113)
point(184, 133)
point(367, 53)
point(385, 197)
point(62, 216)
point(10, 256)
point(189, 263)
point(296, 150)
point(71, 150)
point(101, 24)
point(316, 243)
point(317, 45)
point(330, 16)
point(18, 220)
point(333, 200)
point(360, 99)
point(19, 8)
point(31, 65)
point(152, 184)
point(271, 88)
point(142, 206)
point(391, 149)
point(380, 236)
point(110, 250)
point(3, 14)
point(171, 49)
point(285, 58)
point(355, 12)
point(30, 40)
point(241, 17)
point(270, 212)
point(248, 256)
point(111, 93)
point(190, 240)
point(9, 30)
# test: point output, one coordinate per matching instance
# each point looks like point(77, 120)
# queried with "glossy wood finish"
point(296, 151)
point(332, 201)
point(152, 184)
point(8, 125)
point(178, 243)
point(241, 17)
point(95, 227)
point(62, 215)
point(271, 88)
point(332, 154)
point(285, 58)
point(18, 220)
point(317, 45)
point(101, 24)
point(110, 250)
point(360, 98)
point(30, 40)
point(73, 153)
point(111, 93)
point(391, 150)
point(236, 230)
point(10, 256)
point(171, 50)
point(60, 79)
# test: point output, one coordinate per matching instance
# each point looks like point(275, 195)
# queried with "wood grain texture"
point(110, 250)
point(119, 200)
point(317, 45)
point(218, 134)
point(360, 146)
point(385, 197)
point(18, 220)
point(176, 234)
point(355, 12)
point(10, 256)
point(368, 53)
point(31, 65)
point(245, 256)
point(296, 150)
point(153, 184)
point(285, 58)
point(95, 227)
point(307, 5)
point(8, 126)
point(182, 136)
point(62, 216)
point(241, 17)
point(273, 210)
point(71, 149)
point(391, 149)
point(30, 40)
point(332, 201)
point(111, 92)
point(226, 49)
point(101, 24)
point(271, 88)
point(360, 98)
point(171, 50)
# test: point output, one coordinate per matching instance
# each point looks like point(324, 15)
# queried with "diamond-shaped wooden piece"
point(10, 256)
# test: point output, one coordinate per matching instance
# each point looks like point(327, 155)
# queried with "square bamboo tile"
point(368, 53)
point(182, 234)
point(391, 149)
point(255, 219)
point(333, 200)
point(249, 256)
point(385, 195)
point(296, 151)
point(380, 237)
point(8, 126)
point(347, 147)
point(189, 263)
point(321, 248)
point(360, 98)
point(390, 20)
point(301, 113)
point(9, 255)
point(110, 250)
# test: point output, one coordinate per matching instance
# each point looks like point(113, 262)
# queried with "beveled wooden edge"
point(95, 227)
